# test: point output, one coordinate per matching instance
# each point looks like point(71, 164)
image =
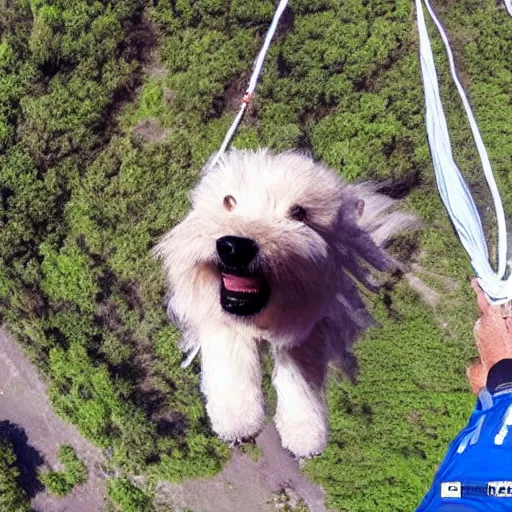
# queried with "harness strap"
point(251, 87)
point(453, 189)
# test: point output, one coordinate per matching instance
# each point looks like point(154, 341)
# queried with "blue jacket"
point(476, 474)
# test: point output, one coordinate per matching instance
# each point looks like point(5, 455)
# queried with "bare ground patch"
point(151, 130)
point(247, 484)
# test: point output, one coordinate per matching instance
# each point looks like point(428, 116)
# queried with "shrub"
point(12, 496)
point(74, 473)
point(127, 497)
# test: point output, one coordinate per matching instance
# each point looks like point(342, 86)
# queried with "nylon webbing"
point(453, 189)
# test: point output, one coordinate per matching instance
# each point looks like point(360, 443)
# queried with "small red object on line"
point(247, 97)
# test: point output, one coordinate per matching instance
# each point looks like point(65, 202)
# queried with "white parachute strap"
point(508, 5)
point(454, 191)
point(249, 93)
point(251, 87)
point(191, 356)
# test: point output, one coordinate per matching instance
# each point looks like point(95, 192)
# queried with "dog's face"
point(258, 240)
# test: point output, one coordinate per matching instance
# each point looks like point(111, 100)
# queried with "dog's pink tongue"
point(241, 284)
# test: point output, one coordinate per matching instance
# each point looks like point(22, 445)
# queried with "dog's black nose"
point(236, 252)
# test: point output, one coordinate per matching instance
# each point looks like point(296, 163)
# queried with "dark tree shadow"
point(28, 458)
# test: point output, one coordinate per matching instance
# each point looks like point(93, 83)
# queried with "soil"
point(151, 130)
point(246, 484)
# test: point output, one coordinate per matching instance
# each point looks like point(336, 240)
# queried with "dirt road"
point(248, 485)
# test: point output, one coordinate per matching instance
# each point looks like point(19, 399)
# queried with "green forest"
point(108, 111)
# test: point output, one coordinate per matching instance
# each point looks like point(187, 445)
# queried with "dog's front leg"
point(301, 414)
point(231, 382)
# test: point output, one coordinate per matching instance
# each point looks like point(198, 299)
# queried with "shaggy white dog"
point(267, 254)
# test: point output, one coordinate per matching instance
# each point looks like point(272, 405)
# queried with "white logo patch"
point(507, 422)
point(451, 490)
point(499, 489)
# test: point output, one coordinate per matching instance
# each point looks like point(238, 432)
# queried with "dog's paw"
point(305, 438)
point(236, 424)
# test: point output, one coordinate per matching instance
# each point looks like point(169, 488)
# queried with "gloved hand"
point(493, 337)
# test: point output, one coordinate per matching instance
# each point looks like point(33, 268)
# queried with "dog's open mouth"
point(243, 294)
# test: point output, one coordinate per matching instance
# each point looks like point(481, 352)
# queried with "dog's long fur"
point(315, 311)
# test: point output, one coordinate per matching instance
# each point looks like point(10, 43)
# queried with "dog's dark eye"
point(229, 203)
point(298, 213)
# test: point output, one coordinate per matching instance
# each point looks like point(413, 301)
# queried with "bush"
point(74, 473)
point(12, 496)
point(126, 497)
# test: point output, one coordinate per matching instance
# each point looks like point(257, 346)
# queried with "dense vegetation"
point(74, 472)
point(107, 112)
point(126, 497)
point(12, 497)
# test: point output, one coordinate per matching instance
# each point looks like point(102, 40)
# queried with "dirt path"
point(247, 485)
point(26, 417)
